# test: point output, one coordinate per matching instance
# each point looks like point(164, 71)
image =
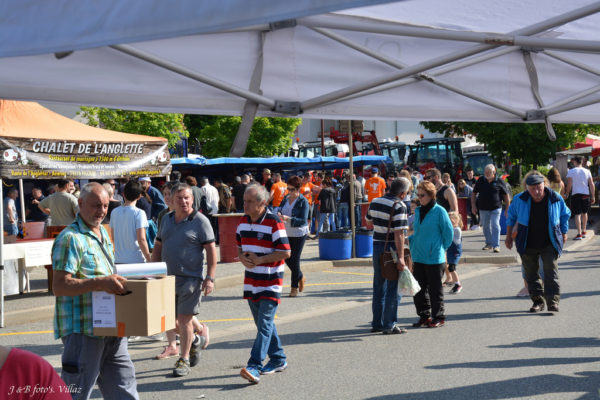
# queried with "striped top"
point(379, 213)
point(78, 251)
point(263, 237)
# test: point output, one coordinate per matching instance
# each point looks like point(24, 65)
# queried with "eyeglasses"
point(426, 177)
point(291, 189)
point(422, 194)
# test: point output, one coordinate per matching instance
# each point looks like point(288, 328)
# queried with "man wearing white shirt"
point(581, 186)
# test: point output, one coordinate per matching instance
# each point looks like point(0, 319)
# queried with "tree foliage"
point(268, 136)
point(527, 144)
point(143, 123)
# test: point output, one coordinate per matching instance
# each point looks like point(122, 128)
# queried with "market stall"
point(37, 143)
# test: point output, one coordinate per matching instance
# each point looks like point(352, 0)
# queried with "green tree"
point(143, 123)
point(526, 144)
point(268, 136)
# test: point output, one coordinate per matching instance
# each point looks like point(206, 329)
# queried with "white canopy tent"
point(467, 60)
point(418, 60)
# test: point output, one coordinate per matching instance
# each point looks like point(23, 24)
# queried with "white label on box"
point(103, 310)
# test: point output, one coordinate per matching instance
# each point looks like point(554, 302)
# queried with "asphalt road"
point(490, 348)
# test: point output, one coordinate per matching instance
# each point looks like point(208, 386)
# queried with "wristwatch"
point(210, 278)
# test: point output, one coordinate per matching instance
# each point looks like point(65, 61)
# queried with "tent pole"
point(238, 148)
point(227, 87)
point(462, 36)
point(572, 62)
point(436, 72)
point(351, 188)
point(22, 196)
point(2, 256)
point(573, 105)
point(572, 98)
point(448, 58)
point(422, 77)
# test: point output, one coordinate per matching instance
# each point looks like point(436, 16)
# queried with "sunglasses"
point(422, 194)
point(292, 189)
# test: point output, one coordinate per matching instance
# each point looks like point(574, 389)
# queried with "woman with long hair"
point(556, 182)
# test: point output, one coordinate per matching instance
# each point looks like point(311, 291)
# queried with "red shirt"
point(26, 375)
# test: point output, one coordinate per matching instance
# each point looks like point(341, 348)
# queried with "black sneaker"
point(182, 368)
point(437, 323)
point(194, 353)
point(537, 307)
point(456, 289)
point(422, 322)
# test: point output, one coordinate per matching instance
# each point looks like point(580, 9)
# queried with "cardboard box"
point(149, 309)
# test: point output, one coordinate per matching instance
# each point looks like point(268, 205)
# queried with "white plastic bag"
point(407, 284)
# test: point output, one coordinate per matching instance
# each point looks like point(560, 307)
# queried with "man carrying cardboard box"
point(82, 260)
point(183, 237)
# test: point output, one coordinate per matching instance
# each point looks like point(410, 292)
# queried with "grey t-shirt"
point(63, 208)
point(182, 243)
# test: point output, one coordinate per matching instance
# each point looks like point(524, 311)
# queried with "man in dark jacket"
point(539, 219)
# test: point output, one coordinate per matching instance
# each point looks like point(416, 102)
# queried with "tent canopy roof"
point(19, 119)
point(413, 60)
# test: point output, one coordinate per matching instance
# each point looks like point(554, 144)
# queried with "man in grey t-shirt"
point(62, 205)
point(183, 237)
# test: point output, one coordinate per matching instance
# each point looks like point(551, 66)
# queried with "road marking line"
point(349, 273)
point(24, 333)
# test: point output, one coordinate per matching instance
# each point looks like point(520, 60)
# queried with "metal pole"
point(178, 69)
point(448, 58)
point(22, 196)
point(351, 188)
point(1, 256)
point(502, 39)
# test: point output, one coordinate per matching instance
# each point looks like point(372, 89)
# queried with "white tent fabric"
point(413, 60)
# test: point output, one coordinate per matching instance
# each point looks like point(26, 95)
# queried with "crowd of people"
point(419, 213)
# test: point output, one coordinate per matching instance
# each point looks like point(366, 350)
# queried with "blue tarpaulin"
point(235, 165)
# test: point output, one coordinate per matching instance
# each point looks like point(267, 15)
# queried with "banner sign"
point(54, 159)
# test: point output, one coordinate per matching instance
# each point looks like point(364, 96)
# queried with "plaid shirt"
point(78, 251)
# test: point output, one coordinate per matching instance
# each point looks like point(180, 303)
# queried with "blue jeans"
point(296, 246)
point(330, 217)
point(343, 219)
point(87, 359)
point(490, 222)
point(385, 294)
point(267, 341)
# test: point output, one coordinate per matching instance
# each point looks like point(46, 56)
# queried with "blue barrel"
point(502, 222)
point(335, 245)
point(363, 243)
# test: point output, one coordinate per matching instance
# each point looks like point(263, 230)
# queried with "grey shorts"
point(187, 295)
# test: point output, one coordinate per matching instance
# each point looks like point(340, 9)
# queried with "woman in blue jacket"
point(293, 211)
point(432, 236)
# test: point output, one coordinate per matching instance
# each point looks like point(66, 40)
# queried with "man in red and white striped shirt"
point(262, 246)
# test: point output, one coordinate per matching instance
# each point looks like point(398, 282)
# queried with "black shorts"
point(580, 204)
point(451, 267)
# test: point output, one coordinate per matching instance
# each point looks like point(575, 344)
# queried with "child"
point(455, 251)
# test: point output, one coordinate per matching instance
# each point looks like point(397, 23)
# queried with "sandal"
point(167, 353)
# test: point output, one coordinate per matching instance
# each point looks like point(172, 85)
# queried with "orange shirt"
point(278, 191)
point(306, 191)
point(375, 187)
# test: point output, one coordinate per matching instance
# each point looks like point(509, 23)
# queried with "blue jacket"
point(432, 237)
point(558, 218)
point(299, 212)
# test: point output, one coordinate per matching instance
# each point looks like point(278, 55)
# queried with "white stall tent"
point(476, 60)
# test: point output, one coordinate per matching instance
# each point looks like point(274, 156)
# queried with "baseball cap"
point(375, 170)
point(144, 179)
point(534, 179)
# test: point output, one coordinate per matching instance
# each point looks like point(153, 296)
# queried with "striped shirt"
point(78, 251)
point(262, 237)
point(379, 213)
